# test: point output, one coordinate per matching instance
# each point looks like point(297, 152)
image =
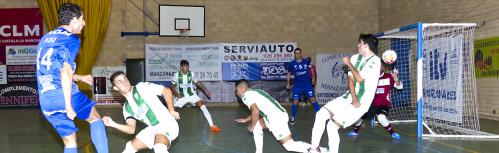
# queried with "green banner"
point(487, 58)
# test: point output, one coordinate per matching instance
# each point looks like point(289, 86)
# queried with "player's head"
point(367, 43)
point(70, 15)
point(241, 87)
point(120, 82)
point(309, 59)
point(383, 67)
point(184, 66)
point(298, 54)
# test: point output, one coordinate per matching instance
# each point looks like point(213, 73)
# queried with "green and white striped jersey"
point(369, 70)
point(144, 105)
point(184, 82)
point(269, 107)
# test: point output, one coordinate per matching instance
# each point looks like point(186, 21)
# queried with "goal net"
point(435, 66)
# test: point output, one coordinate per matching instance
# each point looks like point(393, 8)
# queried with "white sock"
point(296, 146)
point(320, 122)
point(207, 114)
point(160, 148)
point(382, 120)
point(258, 137)
point(129, 148)
point(333, 137)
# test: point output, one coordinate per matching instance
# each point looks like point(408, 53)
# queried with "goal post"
point(435, 65)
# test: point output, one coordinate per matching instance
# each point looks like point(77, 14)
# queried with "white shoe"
point(318, 150)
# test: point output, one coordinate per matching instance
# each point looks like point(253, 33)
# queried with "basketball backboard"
point(176, 18)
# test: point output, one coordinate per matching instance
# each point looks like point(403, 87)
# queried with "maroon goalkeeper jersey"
point(382, 97)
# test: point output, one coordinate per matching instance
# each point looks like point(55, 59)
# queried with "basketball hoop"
point(184, 32)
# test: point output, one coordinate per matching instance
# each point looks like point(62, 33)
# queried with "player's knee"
point(94, 116)
point(161, 139)
point(200, 103)
point(382, 120)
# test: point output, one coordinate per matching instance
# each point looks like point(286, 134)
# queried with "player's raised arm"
point(353, 70)
point(398, 83)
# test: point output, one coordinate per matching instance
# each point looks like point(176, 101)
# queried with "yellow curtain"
point(96, 16)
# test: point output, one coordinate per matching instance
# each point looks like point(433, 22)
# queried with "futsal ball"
point(389, 56)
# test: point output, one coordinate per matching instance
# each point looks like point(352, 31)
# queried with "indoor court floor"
point(24, 130)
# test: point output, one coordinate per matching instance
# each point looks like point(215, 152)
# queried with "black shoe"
point(292, 122)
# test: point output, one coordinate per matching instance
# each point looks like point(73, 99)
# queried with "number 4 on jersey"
point(45, 58)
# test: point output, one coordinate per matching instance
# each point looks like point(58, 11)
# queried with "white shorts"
point(148, 134)
point(279, 126)
point(344, 113)
point(181, 102)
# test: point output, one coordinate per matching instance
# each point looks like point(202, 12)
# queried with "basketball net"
point(184, 32)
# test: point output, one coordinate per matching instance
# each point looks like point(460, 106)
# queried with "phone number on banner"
point(277, 57)
point(206, 75)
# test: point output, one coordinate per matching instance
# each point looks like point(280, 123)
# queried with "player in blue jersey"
point(60, 99)
point(301, 68)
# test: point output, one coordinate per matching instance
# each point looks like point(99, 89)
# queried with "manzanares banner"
point(331, 81)
point(256, 61)
point(487, 58)
point(162, 61)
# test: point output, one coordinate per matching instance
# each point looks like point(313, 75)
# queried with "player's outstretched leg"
point(207, 115)
point(333, 136)
point(98, 132)
point(388, 127)
point(319, 124)
point(258, 137)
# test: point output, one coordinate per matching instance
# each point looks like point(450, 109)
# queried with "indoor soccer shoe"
point(215, 128)
point(352, 134)
point(310, 150)
point(318, 150)
point(395, 136)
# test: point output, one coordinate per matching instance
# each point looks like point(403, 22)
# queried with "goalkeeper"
point(381, 103)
